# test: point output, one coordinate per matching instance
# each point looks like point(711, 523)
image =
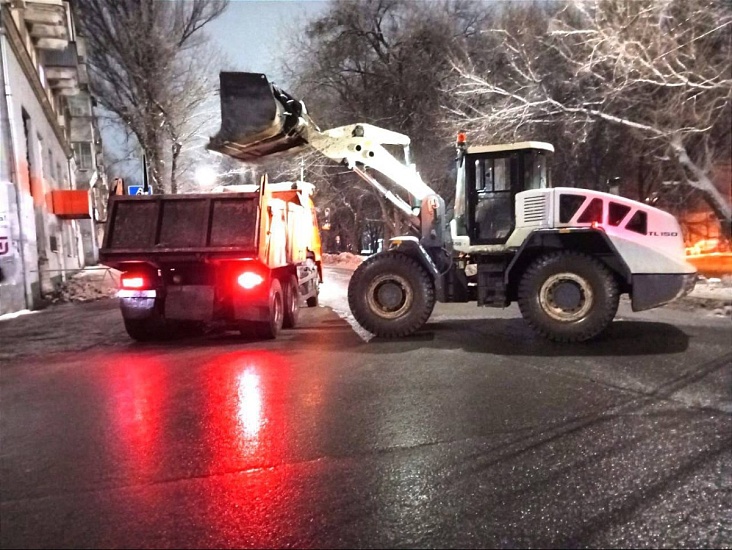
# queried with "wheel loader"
point(564, 254)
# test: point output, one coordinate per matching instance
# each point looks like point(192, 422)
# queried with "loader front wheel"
point(391, 295)
point(568, 296)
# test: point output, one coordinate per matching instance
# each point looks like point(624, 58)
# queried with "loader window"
point(460, 205)
point(492, 175)
point(638, 223)
point(616, 213)
point(536, 171)
point(493, 206)
point(592, 212)
point(568, 206)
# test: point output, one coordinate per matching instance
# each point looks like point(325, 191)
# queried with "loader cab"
point(489, 177)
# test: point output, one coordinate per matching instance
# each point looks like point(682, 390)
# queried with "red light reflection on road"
point(249, 407)
point(249, 410)
point(135, 393)
point(245, 410)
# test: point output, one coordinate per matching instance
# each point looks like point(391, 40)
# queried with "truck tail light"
point(248, 280)
point(133, 282)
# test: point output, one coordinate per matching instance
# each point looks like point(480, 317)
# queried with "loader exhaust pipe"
point(258, 119)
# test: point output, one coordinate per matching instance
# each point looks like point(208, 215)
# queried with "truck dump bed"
point(180, 227)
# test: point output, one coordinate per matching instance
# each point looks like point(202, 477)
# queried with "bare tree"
point(140, 69)
point(385, 62)
point(654, 72)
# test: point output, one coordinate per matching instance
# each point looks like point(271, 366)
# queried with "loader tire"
point(291, 297)
point(568, 296)
point(267, 330)
point(391, 295)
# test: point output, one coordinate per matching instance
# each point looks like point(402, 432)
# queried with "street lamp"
point(206, 176)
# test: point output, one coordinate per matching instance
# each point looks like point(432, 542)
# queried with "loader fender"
point(410, 246)
point(592, 242)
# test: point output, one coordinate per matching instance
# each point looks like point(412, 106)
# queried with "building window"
point(83, 155)
point(79, 106)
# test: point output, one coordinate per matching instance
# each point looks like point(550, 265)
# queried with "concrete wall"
point(49, 248)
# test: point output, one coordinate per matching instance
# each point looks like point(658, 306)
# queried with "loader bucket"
point(257, 118)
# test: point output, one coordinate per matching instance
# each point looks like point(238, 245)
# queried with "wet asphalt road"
point(471, 433)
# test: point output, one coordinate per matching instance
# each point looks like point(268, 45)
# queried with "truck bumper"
point(137, 304)
point(654, 290)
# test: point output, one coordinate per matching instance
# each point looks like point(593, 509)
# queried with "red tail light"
point(133, 282)
point(249, 280)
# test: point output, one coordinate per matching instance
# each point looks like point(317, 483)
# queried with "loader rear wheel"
point(268, 330)
point(391, 295)
point(291, 295)
point(568, 296)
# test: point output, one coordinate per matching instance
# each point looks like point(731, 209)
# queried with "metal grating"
point(534, 209)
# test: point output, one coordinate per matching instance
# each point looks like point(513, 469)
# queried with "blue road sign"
point(136, 190)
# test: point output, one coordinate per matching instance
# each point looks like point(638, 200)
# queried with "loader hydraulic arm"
point(260, 120)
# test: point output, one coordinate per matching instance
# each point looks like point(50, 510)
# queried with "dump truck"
point(242, 260)
point(564, 254)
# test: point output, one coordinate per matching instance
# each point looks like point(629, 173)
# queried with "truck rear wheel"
point(152, 329)
point(269, 329)
point(568, 296)
point(291, 294)
point(391, 295)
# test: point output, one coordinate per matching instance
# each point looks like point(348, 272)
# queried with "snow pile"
point(344, 259)
point(713, 294)
point(89, 284)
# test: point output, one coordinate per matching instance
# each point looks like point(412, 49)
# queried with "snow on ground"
point(344, 259)
point(91, 283)
point(13, 315)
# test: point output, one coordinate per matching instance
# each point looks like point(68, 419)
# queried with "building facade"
point(52, 185)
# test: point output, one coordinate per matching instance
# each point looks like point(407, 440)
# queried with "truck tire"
point(268, 330)
point(391, 295)
point(291, 296)
point(152, 329)
point(568, 296)
point(313, 300)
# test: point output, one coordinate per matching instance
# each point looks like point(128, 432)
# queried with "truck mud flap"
point(257, 118)
point(189, 303)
